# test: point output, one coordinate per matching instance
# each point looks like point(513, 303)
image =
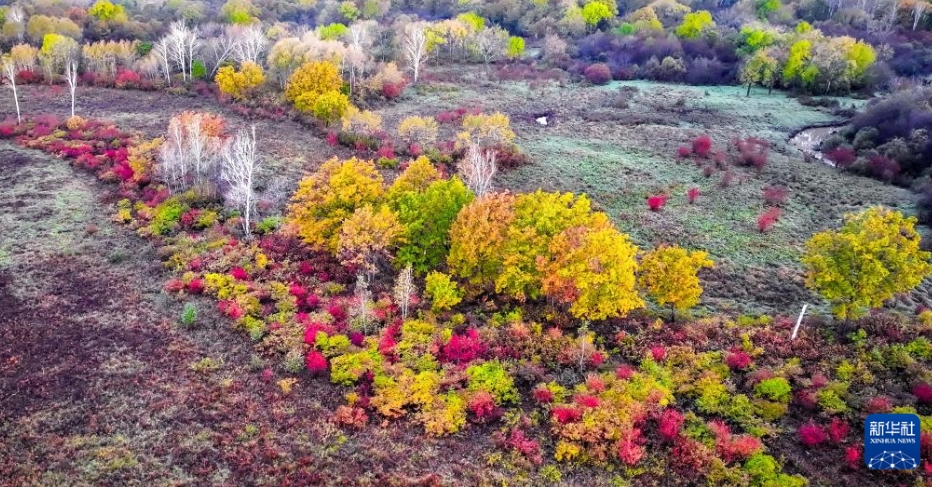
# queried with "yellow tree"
point(669, 276)
point(310, 81)
point(592, 268)
point(417, 177)
point(327, 198)
point(874, 256)
point(368, 236)
point(239, 84)
point(478, 237)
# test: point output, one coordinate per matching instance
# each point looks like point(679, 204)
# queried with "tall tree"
point(240, 160)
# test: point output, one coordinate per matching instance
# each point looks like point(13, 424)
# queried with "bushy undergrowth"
point(633, 393)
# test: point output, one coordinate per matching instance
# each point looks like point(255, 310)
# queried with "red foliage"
point(624, 372)
point(702, 146)
point(923, 393)
point(752, 152)
point(656, 202)
point(853, 456)
point(239, 274)
point(196, 286)
point(810, 434)
point(670, 423)
point(124, 171)
point(925, 444)
point(806, 399)
point(482, 406)
point(837, 430)
point(415, 150)
point(297, 290)
point(842, 157)
point(566, 414)
point(587, 401)
point(316, 362)
point(332, 139)
point(127, 79)
point(688, 458)
point(767, 219)
point(336, 311)
point(629, 451)
point(312, 301)
point(27, 77)
point(528, 447)
point(883, 168)
point(595, 383)
point(732, 447)
point(542, 394)
point(658, 353)
point(596, 359)
point(708, 171)
point(174, 285)
point(393, 90)
point(463, 348)
point(598, 73)
point(231, 309)
point(775, 195)
point(386, 150)
point(738, 360)
point(692, 194)
point(683, 152)
point(878, 405)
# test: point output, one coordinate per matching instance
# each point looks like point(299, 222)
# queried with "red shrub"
point(596, 359)
point(683, 152)
point(598, 73)
point(629, 451)
point(336, 311)
point(806, 399)
point(482, 406)
point(767, 219)
point(883, 168)
point(587, 401)
point(658, 353)
point(127, 79)
point(702, 146)
point(670, 423)
point(656, 202)
point(393, 90)
point(624, 372)
point(239, 274)
point(923, 393)
point(231, 309)
point(810, 434)
point(312, 301)
point(463, 348)
point(752, 152)
point(356, 338)
point(738, 360)
point(595, 383)
point(196, 286)
point(542, 394)
point(415, 150)
point(316, 362)
point(297, 290)
point(386, 150)
point(879, 405)
point(566, 414)
point(842, 157)
point(853, 456)
point(528, 447)
point(332, 139)
point(692, 194)
point(174, 285)
point(690, 457)
point(775, 195)
point(728, 178)
point(708, 171)
point(837, 430)
point(742, 447)
point(27, 77)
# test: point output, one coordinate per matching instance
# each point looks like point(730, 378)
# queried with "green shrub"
point(268, 225)
point(166, 215)
point(493, 378)
point(776, 389)
point(765, 471)
point(443, 292)
point(347, 369)
point(198, 70)
point(189, 315)
point(920, 348)
point(831, 397)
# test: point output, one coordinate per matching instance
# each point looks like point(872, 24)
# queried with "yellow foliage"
point(328, 197)
point(310, 81)
point(592, 268)
point(668, 274)
point(239, 84)
point(874, 256)
point(417, 177)
point(368, 235)
point(142, 156)
point(287, 384)
point(418, 130)
point(446, 415)
point(486, 130)
point(478, 237)
point(361, 122)
point(330, 107)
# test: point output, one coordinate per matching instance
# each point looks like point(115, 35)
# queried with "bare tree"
point(478, 168)
point(414, 47)
point(161, 52)
point(250, 44)
point(919, 8)
point(404, 290)
point(71, 75)
point(16, 18)
point(173, 165)
point(218, 46)
point(181, 44)
point(240, 161)
point(9, 72)
point(361, 310)
point(491, 43)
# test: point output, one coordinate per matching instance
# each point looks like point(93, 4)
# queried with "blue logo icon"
point(891, 441)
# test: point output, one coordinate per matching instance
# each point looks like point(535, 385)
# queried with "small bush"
point(738, 360)
point(444, 293)
point(767, 219)
point(775, 195)
point(923, 393)
point(656, 202)
point(810, 434)
point(692, 194)
point(598, 74)
point(776, 389)
point(189, 315)
point(702, 146)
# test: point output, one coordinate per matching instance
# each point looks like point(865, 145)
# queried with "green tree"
point(797, 60)
point(515, 47)
point(107, 11)
point(239, 12)
point(595, 12)
point(694, 24)
point(874, 256)
point(759, 68)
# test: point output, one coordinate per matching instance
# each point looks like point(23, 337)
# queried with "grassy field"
point(621, 152)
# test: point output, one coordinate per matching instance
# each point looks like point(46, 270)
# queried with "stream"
point(808, 141)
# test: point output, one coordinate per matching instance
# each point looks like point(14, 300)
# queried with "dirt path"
point(96, 380)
